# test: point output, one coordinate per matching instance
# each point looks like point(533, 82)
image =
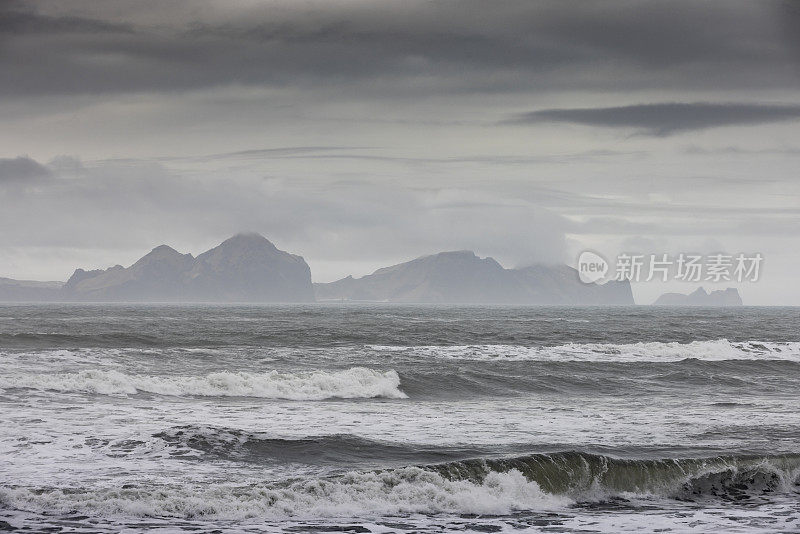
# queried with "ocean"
point(377, 418)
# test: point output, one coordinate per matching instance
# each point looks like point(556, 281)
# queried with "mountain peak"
point(163, 251)
point(245, 241)
point(163, 254)
point(245, 267)
point(466, 254)
point(250, 267)
point(253, 237)
point(447, 256)
point(163, 248)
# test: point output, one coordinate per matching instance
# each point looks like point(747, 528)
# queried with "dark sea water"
point(371, 418)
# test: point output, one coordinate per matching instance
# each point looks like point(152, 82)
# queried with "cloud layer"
point(126, 205)
point(21, 170)
point(396, 46)
point(361, 133)
point(668, 118)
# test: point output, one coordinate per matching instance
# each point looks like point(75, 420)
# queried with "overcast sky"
point(363, 133)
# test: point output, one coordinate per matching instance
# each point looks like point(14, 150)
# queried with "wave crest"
point(400, 491)
point(537, 482)
point(353, 383)
point(593, 476)
point(716, 350)
point(332, 449)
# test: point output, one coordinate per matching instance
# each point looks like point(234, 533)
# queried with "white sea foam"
point(356, 382)
point(401, 491)
point(717, 350)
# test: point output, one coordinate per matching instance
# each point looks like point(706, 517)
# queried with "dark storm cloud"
point(409, 46)
point(21, 169)
point(21, 18)
point(668, 118)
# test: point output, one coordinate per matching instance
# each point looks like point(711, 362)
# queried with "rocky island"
point(701, 297)
point(244, 268)
point(463, 277)
point(249, 268)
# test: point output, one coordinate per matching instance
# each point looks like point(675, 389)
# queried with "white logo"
point(591, 267)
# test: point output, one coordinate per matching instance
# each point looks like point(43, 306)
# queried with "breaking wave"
point(586, 476)
point(353, 383)
point(717, 350)
point(334, 449)
point(480, 486)
point(573, 473)
point(400, 491)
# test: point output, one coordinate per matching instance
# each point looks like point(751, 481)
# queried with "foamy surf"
point(536, 483)
point(716, 350)
point(401, 491)
point(517, 420)
point(353, 383)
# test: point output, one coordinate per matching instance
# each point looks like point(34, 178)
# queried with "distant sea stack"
point(700, 297)
point(463, 277)
point(244, 268)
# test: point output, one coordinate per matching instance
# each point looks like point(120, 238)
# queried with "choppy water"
point(393, 419)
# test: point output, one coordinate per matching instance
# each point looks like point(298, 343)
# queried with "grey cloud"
point(366, 132)
point(291, 151)
point(21, 169)
point(136, 206)
point(556, 159)
point(366, 153)
point(740, 151)
point(733, 225)
point(251, 154)
point(411, 46)
point(20, 18)
point(666, 118)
